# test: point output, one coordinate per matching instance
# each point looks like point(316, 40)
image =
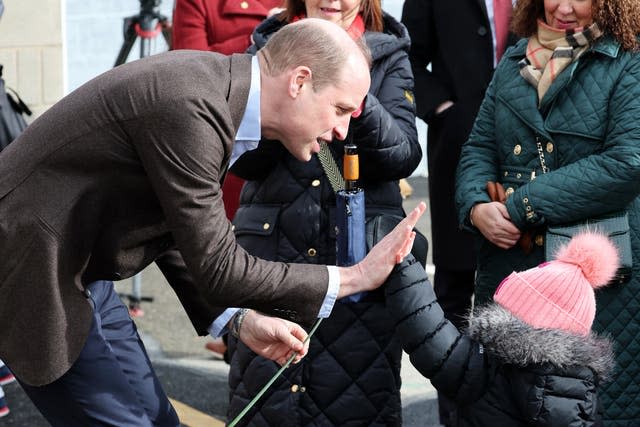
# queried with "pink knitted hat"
point(559, 294)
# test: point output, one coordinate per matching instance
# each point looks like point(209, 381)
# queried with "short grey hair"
point(308, 44)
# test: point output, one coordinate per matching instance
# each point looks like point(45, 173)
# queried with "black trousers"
point(112, 382)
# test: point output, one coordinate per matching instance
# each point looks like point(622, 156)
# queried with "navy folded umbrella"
point(351, 245)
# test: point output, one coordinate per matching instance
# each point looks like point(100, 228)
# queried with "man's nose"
point(341, 130)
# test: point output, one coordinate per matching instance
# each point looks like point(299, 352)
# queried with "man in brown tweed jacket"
point(126, 171)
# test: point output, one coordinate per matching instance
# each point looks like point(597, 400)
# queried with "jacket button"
point(482, 31)
point(266, 226)
point(87, 293)
point(539, 240)
point(517, 149)
point(244, 5)
point(312, 252)
point(315, 182)
point(294, 388)
point(303, 389)
point(549, 147)
point(509, 191)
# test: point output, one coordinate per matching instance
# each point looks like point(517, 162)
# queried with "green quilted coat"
point(588, 124)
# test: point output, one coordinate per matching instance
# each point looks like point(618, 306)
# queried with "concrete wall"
point(32, 52)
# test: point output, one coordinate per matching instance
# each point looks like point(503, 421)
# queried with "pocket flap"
point(610, 225)
point(256, 219)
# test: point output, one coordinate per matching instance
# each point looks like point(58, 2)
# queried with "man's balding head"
point(313, 77)
point(321, 45)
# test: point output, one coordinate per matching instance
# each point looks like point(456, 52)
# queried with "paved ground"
point(195, 380)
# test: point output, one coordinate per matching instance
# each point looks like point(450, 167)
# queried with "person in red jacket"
point(223, 26)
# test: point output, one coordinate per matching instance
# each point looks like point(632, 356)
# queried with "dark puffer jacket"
point(351, 375)
point(502, 372)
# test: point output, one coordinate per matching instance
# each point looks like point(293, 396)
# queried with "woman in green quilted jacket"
point(559, 130)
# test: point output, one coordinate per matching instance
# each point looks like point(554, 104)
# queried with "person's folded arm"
point(385, 131)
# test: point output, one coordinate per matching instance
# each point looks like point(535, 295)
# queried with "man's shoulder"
point(184, 62)
point(184, 72)
point(210, 66)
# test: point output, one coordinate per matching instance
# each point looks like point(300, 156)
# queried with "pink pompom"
point(595, 254)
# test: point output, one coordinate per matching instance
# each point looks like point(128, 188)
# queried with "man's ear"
point(299, 77)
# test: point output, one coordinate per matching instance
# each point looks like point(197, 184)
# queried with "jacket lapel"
point(240, 69)
point(558, 84)
point(518, 95)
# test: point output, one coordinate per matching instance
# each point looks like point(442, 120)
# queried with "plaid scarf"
point(550, 51)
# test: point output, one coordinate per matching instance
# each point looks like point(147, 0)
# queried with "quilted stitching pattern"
point(341, 388)
point(618, 314)
point(597, 109)
point(351, 376)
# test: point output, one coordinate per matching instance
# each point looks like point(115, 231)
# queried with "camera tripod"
point(146, 25)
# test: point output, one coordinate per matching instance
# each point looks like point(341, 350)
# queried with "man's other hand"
point(273, 338)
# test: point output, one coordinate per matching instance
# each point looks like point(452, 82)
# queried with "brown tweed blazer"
point(125, 171)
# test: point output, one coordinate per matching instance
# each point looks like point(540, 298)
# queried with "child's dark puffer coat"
point(502, 372)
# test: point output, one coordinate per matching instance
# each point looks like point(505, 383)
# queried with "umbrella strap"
point(272, 380)
point(330, 167)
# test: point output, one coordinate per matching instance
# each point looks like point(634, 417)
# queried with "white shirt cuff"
point(332, 291)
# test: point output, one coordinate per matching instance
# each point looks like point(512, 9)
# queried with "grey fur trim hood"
point(512, 341)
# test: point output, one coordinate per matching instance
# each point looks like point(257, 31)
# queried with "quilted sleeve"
point(553, 397)
point(385, 132)
point(603, 181)
point(456, 365)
